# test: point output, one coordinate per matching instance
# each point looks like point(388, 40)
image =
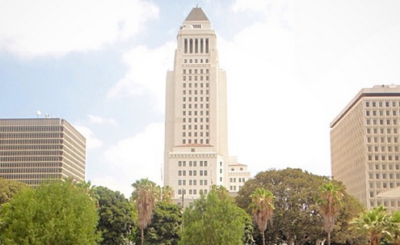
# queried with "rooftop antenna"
point(38, 113)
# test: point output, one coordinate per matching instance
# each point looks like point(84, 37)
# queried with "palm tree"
point(393, 228)
point(329, 202)
point(262, 206)
point(145, 196)
point(221, 191)
point(372, 222)
point(167, 194)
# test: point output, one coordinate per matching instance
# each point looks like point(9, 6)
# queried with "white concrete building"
point(365, 146)
point(238, 175)
point(196, 143)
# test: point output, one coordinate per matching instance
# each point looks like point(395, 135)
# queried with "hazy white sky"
point(292, 66)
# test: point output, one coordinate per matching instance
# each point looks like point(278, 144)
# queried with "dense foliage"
point(214, 219)
point(8, 188)
point(57, 212)
point(379, 226)
point(165, 225)
point(115, 216)
point(296, 218)
point(297, 205)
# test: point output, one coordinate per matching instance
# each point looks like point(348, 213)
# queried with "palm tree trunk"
point(142, 235)
point(329, 238)
point(263, 237)
point(375, 240)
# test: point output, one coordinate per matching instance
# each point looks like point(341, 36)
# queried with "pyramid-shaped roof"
point(196, 14)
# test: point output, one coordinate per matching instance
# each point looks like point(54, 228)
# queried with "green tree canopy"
point(296, 218)
point(56, 212)
point(373, 223)
point(379, 226)
point(342, 231)
point(115, 213)
point(214, 219)
point(8, 188)
point(165, 225)
point(393, 228)
point(167, 194)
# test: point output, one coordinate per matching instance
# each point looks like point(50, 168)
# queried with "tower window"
point(185, 44)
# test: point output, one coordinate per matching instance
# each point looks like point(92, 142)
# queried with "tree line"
point(287, 206)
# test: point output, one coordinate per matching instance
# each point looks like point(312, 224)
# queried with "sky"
point(292, 66)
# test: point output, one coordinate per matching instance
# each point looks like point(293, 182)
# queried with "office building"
point(196, 143)
point(365, 145)
point(32, 150)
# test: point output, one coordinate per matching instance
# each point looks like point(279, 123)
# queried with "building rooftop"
point(376, 91)
point(238, 164)
point(197, 14)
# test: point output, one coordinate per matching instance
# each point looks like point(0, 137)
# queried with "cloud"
point(281, 11)
point(267, 104)
point(327, 31)
point(252, 5)
point(147, 73)
point(100, 120)
point(140, 156)
point(57, 27)
point(285, 78)
point(287, 82)
point(92, 141)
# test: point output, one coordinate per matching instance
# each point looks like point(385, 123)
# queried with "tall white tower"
point(196, 145)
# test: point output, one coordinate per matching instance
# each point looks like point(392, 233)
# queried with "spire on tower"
point(197, 14)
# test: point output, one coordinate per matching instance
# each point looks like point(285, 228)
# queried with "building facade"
point(196, 142)
point(238, 175)
point(32, 150)
point(365, 145)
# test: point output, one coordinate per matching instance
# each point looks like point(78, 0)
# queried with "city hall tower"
point(196, 144)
